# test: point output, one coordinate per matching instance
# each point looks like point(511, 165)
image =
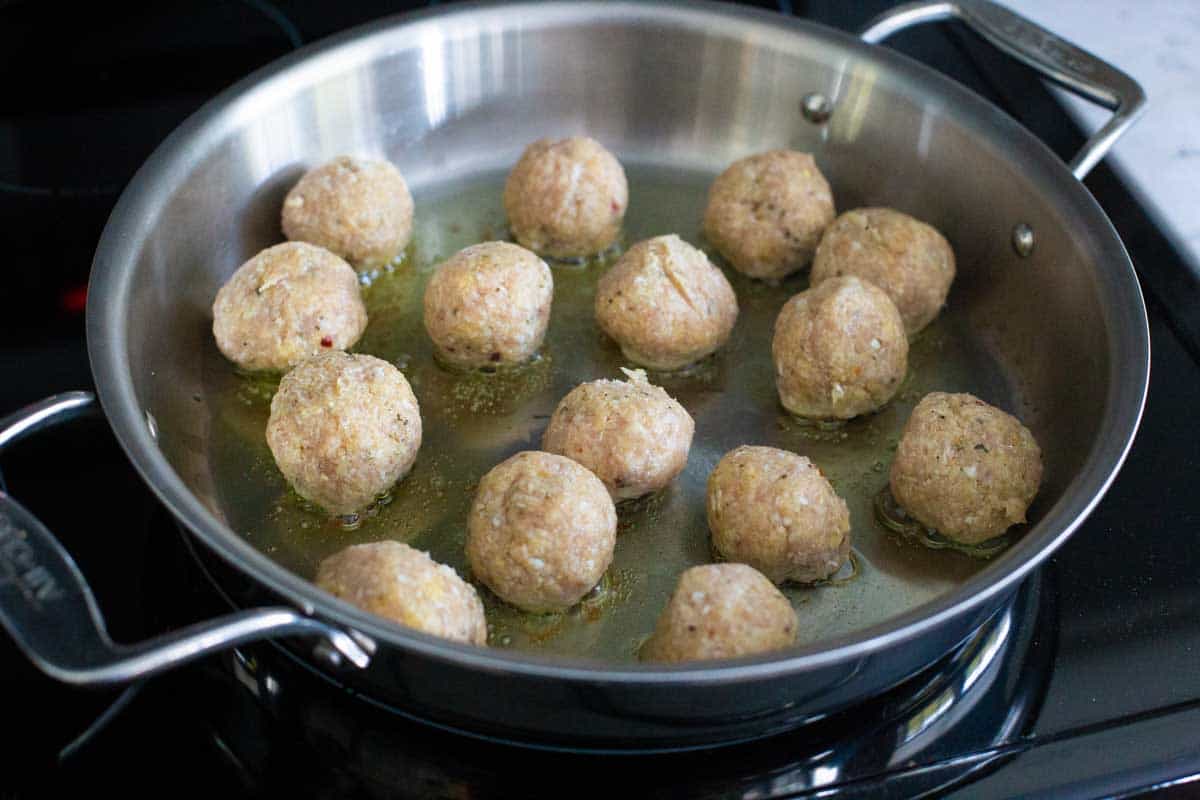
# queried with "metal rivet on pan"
point(816, 107)
point(1022, 239)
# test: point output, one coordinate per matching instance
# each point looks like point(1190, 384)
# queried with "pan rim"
point(107, 339)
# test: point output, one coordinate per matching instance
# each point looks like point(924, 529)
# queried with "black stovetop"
point(1094, 691)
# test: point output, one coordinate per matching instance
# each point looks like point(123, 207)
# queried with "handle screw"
point(1022, 239)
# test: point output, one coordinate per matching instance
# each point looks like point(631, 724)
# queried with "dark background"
point(89, 93)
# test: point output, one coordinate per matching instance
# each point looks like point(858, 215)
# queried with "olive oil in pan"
point(474, 420)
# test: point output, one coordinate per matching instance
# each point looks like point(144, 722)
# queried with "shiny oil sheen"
point(474, 420)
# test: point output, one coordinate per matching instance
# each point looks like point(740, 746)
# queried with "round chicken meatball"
point(721, 611)
point(665, 304)
point(632, 435)
point(906, 258)
point(343, 429)
point(541, 531)
point(566, 198)
point(288, 303)
point(360, 209)
point(840, 350)
point(766, 213)
point(964, 468)
point(775, 511)
point(406, 586)
point(488, 305)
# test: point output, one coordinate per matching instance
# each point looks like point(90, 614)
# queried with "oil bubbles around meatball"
point(965, 469)
point(343, 429)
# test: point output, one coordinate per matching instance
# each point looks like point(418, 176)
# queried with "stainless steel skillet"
point(680, 90)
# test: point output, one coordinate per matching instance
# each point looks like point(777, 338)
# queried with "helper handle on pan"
point(47, 607)
point(1055, 58)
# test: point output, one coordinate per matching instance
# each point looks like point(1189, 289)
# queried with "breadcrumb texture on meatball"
point(359, 208)
point(766, 213)
point(666, 304)
point(566, 198)
point(631, 434)
point(489, 304)
point(775, 511)
point(343, 429)
point(721, 611)
point(288, 303)
point(839, 349)
point(905, 257)
point(541, 531)
point(406, 586)
point(965, 468)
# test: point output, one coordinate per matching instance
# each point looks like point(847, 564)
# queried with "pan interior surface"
point(677, 94)
point(472, 421)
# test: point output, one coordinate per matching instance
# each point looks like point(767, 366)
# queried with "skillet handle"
point(1054, 57)
point(49, 610)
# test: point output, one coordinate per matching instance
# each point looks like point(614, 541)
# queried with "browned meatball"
point(566, 198)
point(906, 258)
point(766, 213)
point(489, 305)
point(840, 350)
point(775, 511)
point(360, 209)
point(665, 304)
point(541, 531)
point(288, 303)
point(631, 434)
point(721, 611)
point(406, 586)
point(964, 468)
point(343, 429)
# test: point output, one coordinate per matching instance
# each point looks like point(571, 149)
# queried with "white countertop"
point(1158, 43)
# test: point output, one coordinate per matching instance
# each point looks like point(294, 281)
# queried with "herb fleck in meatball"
point(839, 349)
point(964, 468)
point(406, 586)
point(489, 305)
point(767, 212)
point(775, 511)
point(288, 303)
point(566, 198)
point(906, 258)
point(541, 531)
point(358, 208)
point(665, 304)
point(343, 429)
point(721, 611)
point(631, 434)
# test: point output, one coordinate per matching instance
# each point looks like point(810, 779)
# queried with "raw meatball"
point(839, 350)
point(775, 511)
point(631, 434)
point(566, 198)
point(489, 304)
point(906, 258)
point(288, 303)
point(766, 213)
point(343, 429)
point(721, 611)
point(665, 304)
point(358, 208)
point(541, 531)
point(965, 468)
point(407, 586)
